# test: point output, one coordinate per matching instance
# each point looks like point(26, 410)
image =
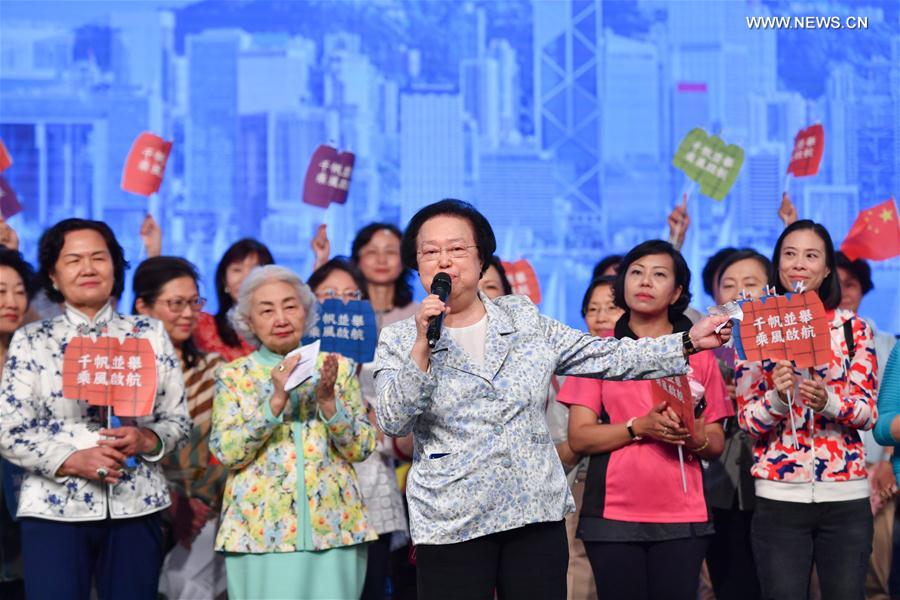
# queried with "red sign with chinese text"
point(807, 154)
point(107, 372)
point(146, 164)
point(9, 201)
point(5, 159)
point(793, 327)
point(328, 176)
point(523, 279)
point(676, 393)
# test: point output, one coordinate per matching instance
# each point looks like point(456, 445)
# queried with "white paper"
point(732, 310)
point(305, 366)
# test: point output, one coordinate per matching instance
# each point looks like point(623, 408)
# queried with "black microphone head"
point(440, 285)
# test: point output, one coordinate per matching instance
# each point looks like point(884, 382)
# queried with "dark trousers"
point(377, 568)
point(789, 537)
point(667, 570)
point(123, 557)
point(520, 564)
point(730, 556)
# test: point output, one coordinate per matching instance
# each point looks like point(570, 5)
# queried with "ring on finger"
point(281, 367)
point(102, 472)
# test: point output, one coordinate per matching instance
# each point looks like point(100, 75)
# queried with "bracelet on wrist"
point(630, 427)
point(701, 448)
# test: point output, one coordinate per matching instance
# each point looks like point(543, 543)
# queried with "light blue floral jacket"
point(484, 460)
point(40, 428)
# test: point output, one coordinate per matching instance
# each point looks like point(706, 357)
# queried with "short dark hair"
point(682, 275)
point(15, 261)
point(859, 268)
point(745, 254)
point(830, 290)
point(237, 252)
point(712, 268)
point(596, 282)
point(504, 280)
point(403, 292)
point(52, 242)
point(613, 260)
point(484, 234)
point(149, 279)
point(339, 263)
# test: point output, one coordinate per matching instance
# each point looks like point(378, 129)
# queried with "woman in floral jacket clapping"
point(292, 504)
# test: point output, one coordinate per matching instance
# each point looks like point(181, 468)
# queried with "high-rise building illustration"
point(431, 147)
point(213, 128)
point(568, 79)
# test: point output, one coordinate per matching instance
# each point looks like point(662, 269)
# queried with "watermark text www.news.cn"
point(808, 22)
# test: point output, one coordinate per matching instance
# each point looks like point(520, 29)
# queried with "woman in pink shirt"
point(645, 535)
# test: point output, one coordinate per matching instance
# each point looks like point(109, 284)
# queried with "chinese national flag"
point(875, 235)
point(9, 202)
point(5, 158)
point(146, 164)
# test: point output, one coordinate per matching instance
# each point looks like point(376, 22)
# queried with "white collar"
point(86, 325)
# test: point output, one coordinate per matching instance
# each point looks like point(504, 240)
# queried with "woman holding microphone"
point(486, 491)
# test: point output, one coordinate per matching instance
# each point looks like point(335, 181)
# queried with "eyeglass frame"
point(356, 295)
point(440, 252)
point(197, 304)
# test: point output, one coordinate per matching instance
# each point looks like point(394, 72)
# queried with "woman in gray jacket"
point(487, 493)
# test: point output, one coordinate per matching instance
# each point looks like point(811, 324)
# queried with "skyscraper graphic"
point(212, 128)
point(431, 147)
point(568, 62)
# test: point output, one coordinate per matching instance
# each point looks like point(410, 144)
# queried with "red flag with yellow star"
point(875, 235)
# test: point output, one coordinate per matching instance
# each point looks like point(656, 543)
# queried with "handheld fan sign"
point(676, 393)
point(791, 327)
point(118, 374)
point(347, 329)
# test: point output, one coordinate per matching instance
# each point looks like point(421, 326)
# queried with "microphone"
point(440, 287)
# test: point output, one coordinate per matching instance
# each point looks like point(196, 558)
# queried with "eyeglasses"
point(346, 295)
point(177, 305)
point(431, 254)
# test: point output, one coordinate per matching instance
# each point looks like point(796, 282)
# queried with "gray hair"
point(239, 315)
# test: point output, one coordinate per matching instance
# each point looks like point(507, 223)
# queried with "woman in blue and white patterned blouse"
point(85, 513)
point(487, 493)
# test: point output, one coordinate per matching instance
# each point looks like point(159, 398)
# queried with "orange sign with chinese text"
point(107, 372)
point(793, 327)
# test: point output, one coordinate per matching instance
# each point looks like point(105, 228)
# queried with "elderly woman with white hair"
point(287, 535)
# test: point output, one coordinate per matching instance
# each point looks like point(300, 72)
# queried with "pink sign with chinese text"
point(146, 164)
point(107, 372)
point(676, 393)
point(523, 279)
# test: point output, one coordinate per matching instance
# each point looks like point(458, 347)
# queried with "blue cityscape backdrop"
point(558, 119)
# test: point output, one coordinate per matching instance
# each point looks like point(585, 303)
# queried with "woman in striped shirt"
point(165, 288)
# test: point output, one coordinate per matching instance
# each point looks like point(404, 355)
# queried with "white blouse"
point(40, 428)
